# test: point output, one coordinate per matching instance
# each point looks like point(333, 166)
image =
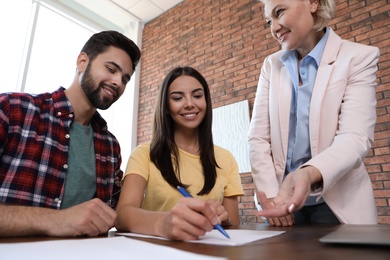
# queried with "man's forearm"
point(22, 220)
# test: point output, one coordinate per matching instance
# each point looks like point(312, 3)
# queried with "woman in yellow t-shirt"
point(181, 153)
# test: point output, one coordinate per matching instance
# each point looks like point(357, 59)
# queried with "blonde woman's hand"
point(269, 207)
point(292, 196)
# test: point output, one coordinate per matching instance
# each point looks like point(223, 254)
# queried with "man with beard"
point(59, 165)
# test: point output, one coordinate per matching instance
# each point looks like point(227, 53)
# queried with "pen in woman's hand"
point(185, 193)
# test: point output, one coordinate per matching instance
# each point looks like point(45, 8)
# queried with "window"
point(40, 43)
point(14, 30)
point(57, 42)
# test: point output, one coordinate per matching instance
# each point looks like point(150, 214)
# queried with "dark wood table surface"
point(298, 242)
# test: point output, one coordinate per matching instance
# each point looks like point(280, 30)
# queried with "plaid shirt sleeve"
point(33, 149)
point(34, 144)
point(108, 161)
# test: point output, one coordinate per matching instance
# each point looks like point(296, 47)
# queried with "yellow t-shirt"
point(160, 196)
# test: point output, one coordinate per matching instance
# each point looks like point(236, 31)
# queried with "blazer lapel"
point(322, 79)
point(285, 93)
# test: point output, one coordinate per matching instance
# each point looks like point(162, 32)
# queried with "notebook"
point(359, 234)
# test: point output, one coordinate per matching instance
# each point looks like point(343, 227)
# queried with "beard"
point(94, 94)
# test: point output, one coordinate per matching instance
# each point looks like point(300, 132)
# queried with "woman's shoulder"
point(144, 145)
point(344, 47)
point(222, 152)
point(275, 56)
point(274, 60)
point(356, 54)
point(357, 47)
point(142, 148)
point(225, 159)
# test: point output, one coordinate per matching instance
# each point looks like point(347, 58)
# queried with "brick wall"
point(227, 42)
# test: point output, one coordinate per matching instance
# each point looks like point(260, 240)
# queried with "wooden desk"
point(299, 242)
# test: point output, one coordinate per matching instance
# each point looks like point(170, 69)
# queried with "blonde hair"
point(325, 12)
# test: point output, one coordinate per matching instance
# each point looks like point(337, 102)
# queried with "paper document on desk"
point(96, 249)
point(237, 236)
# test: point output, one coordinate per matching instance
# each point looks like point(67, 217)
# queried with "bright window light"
point(14, 17)
point(47, 60)
point(57, 43)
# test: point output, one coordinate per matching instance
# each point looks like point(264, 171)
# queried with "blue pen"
point(185, 193)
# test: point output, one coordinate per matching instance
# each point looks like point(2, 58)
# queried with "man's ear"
point(82, 62)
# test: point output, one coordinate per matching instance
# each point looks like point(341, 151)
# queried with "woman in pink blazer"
point(313, 120)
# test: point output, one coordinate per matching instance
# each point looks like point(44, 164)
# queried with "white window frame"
point(98, 15)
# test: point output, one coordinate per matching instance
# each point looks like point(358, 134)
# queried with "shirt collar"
point(63, 108)
point(318, 50)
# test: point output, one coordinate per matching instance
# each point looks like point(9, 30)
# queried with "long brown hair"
point(163, 150)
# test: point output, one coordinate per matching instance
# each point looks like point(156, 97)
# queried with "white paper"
point(94, 248)
point(237, 237)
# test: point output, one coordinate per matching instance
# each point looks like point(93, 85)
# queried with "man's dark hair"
point(100, 42)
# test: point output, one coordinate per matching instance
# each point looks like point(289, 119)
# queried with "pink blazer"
point(342, 121)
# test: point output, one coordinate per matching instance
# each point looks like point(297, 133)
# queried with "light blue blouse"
point(298, 151)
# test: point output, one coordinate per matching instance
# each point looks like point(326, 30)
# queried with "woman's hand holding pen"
point(189, 219)
point(223, 215)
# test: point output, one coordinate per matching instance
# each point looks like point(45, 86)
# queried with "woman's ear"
point(313, 5)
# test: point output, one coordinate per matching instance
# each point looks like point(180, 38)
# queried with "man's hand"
point(90, 218)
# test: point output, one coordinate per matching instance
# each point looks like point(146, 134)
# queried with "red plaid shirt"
point(34, 145)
